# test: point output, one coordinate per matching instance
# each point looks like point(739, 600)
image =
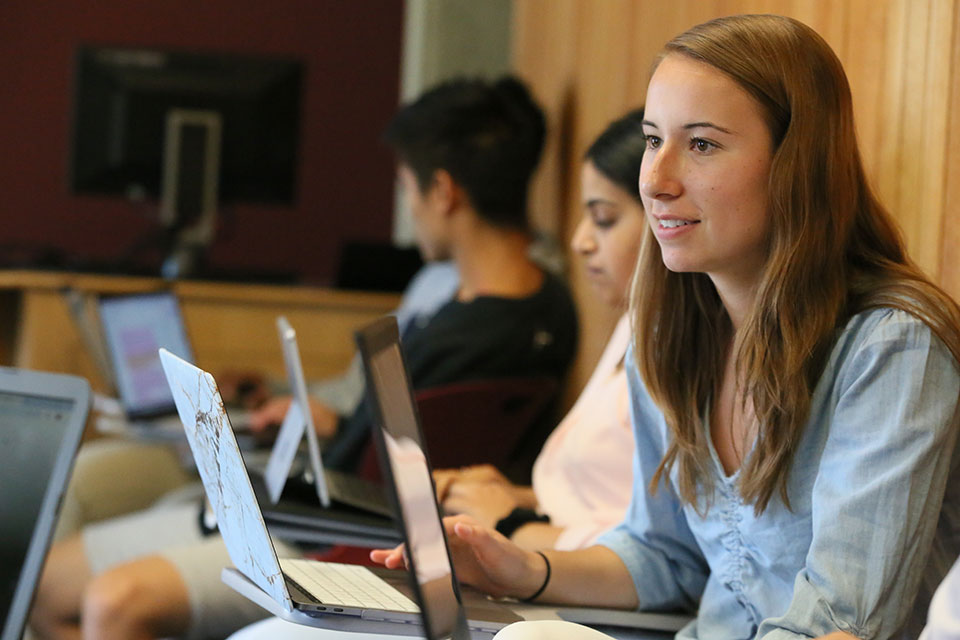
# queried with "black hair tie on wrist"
point(546, 580)
point(516, 519)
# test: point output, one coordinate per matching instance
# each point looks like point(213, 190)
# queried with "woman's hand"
point(482, 558)
point(445, 478)
point(244, 388)
point(485, 502)
point(274, 410)
point(483, 473)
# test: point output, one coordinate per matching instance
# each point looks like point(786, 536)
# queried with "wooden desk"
point(231, 326)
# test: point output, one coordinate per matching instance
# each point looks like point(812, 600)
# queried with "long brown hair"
point(834, 251)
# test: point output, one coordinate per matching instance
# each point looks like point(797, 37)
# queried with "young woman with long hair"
point(794, 376)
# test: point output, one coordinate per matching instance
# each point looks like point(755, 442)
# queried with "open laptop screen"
point(134, 328)
point(426, 544)
point(33, 431)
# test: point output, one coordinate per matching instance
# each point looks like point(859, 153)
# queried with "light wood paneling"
point(231, 326)
point(950, 244)
point(589, 61)
point(545, 38)
point(606, 40)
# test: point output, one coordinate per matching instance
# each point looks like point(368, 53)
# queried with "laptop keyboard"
point(346, 585)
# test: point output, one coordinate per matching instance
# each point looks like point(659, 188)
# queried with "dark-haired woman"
point(582, 478)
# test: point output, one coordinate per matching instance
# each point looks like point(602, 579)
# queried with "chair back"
point(503, 422)
point(496, 422)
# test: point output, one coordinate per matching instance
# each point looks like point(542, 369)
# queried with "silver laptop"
point(42, 416)
point(343, 488)
point(351, 597)
point(284, 587)
point(134, 327)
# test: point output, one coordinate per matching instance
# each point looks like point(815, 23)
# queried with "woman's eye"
point(702, 146)
point(653, 142)
point(603, 216)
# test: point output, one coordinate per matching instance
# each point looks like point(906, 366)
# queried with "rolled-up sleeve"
point(654, 542)
point(879, 487)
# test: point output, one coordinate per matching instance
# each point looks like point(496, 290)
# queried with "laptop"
point(284, 582)
point(331, 486)
point(134, 327)
point(42, 416)
point(282, 586)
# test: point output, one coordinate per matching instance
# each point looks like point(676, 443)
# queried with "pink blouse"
point(583, 477)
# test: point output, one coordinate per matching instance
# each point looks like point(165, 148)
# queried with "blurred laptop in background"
point(134, 327)
point(42, 416)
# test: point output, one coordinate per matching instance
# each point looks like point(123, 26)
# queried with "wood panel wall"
point(588, 62)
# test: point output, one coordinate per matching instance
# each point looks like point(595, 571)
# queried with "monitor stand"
point(188, 204)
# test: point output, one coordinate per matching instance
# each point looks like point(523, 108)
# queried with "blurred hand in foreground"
point(273, 411)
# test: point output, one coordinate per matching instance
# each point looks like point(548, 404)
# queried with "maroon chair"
point(499, 422)
point(503, 422)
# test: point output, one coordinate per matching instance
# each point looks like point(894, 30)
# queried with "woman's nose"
point(660, 175)
point(583, 241)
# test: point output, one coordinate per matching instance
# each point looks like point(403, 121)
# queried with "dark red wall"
point(352, 54)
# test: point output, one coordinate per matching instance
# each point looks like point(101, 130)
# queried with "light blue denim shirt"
point(875, 496)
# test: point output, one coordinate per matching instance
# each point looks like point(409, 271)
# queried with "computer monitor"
point(123, 100)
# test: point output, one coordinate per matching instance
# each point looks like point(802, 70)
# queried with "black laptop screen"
point(32, 431)
point(411, 473)
point(134, 328)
